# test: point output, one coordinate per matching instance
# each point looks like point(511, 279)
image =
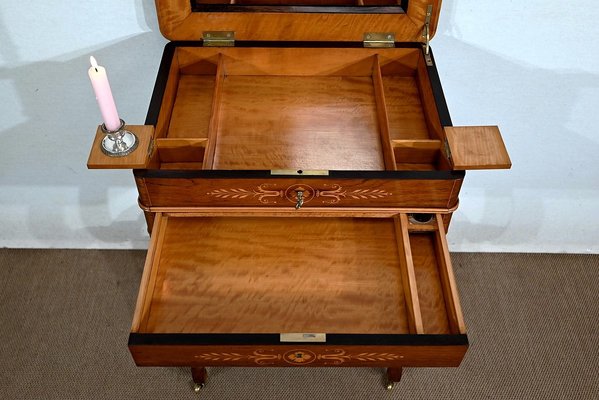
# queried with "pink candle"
point(97, 75)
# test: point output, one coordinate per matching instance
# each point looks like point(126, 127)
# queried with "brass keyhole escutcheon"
point(300, 199)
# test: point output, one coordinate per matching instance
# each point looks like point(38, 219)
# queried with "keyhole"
point(300, 199)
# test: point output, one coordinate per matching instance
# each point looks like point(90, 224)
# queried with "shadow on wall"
point(552, 155)
point(43, 162)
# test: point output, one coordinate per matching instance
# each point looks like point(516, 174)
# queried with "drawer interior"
point(299, 108)
point(344, 275)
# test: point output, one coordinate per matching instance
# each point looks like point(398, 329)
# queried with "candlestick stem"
point(118, 143)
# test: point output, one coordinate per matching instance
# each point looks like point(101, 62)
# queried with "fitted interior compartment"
point(301, 2)
point(303, 108)
point(299, 122)
point(214, 274)
point(338, 6)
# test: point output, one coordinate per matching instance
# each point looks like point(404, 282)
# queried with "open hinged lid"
point(299, 20)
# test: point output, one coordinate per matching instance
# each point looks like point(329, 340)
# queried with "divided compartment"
point(197, 4)
point(299, 108)
point(208, 274)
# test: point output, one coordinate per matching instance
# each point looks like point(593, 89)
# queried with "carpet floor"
point(532, 319)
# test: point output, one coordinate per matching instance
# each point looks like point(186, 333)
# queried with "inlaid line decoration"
point(299, 357)
point(336, 193)
point(258, 356)
point(267, 194)
point(262, 193)
point(339, 356)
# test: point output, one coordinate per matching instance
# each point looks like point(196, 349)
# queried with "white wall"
point(531, 67)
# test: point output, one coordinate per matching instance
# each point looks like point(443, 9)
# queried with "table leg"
point(393, 377)
point(198, 374)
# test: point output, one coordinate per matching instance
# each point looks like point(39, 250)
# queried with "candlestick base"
point(118, 143)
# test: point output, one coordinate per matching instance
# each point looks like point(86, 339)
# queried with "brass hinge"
point(447, 150)
point(426, 34)
point(218, 39)
point(151, 148)
point(379, 39)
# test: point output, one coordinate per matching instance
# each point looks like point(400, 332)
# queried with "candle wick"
point(96, 69)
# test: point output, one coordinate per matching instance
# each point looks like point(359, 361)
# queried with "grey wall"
point(531, 67)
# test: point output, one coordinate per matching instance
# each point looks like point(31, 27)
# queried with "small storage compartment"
point(250, 279)
point(302, 108)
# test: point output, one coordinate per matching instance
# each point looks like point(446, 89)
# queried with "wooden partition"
point(299, 108)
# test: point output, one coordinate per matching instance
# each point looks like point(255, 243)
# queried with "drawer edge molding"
point(266, 174)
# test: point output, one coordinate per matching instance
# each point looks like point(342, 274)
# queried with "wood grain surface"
point(430, 291)
point(303, 107)
point(273, 192)
point(271, 275)
point(193, 107)
point(146, 287)
point(180, 150)
point(178, 22)
point(448, 282)
point(418, 155)
point(427, 99)
point(406, 115)
point(215, 115)
point(168, 99)
point(300, 61)
point(276, 122)
point(139, 158)
point(383, 117)
point(408, 275)
point(252, 275)
point(477, 147)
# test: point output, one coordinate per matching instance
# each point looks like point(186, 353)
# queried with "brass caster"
point(198, 386)
point(390, 385)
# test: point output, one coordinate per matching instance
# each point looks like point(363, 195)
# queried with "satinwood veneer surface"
point(273, 275)
point(430, 291)
point(406, 115)
point(193, 107)
point(309, 122)
point(302, 108)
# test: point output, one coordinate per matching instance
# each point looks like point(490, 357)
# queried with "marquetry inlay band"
point(299, 357)
point(270, 194)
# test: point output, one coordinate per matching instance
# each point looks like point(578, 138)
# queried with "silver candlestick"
point(118, 143)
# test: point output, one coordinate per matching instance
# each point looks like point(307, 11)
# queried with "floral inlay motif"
point(262, 193)
point(336, 193)
point(299, 357)
point(333, 194)
point(339, 356)
point(258, 356)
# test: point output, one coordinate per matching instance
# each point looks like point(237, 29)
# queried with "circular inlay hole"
point(421, 218)
point(299, 171)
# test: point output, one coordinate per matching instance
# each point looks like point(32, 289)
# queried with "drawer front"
point(221, 291)
point(299, 355)
point(283, 192)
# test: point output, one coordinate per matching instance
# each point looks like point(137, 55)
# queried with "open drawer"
point(297, 290)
